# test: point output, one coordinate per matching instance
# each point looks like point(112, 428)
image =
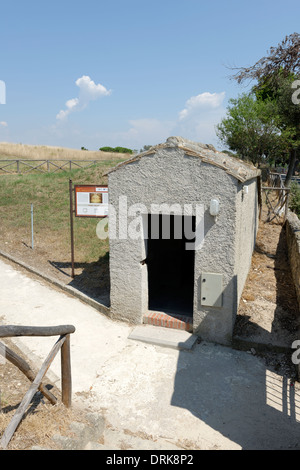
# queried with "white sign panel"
point(91, 201)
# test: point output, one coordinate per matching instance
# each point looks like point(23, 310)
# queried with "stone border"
point(293, 243)
point(292, 225)
point(70, 290)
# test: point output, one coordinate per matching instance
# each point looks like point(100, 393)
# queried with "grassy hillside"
point(44, 152)
point(49, 194)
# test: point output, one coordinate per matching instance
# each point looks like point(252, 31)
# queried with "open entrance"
point(170, 263)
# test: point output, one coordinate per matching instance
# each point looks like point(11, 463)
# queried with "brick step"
point(180, 322)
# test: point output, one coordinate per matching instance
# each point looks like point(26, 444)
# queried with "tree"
point(283, 59)
point(251, 129)
point(289, 114)
point(145, 148)
point(281, 93)
point(276, 75)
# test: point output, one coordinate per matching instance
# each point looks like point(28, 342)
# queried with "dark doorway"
point(170, 263)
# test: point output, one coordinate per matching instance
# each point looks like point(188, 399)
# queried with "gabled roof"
point(240, 169)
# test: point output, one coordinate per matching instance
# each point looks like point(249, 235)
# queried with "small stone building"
point(183, 220)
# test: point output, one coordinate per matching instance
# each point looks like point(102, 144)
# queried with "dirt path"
point(268, 311)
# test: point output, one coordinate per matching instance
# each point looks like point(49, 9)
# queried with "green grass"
point(49, 194)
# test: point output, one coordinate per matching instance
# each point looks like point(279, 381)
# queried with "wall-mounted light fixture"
point(214, 208)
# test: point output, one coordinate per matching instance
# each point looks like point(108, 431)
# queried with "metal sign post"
point(91, 200)
point(32, 244)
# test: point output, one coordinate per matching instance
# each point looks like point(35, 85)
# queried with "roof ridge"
point(236, 167)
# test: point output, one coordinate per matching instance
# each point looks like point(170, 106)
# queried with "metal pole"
point(71, 225)
point(32, 244)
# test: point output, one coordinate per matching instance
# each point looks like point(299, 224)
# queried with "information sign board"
point(91, 201)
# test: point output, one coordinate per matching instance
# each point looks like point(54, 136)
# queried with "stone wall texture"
point(293, 242)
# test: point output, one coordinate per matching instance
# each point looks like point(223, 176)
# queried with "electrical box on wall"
point(212, 289)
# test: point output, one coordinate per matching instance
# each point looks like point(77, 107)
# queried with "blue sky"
point(128, 73)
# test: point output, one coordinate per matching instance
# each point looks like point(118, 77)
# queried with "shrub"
point(106, 149)
point(116, 149)
point(294, 202)
point(122, 150)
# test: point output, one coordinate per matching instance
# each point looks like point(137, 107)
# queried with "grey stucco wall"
point(217, 256)
point(172, 177)
point(246, 230)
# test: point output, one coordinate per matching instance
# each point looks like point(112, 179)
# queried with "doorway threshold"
point(164, 337)
point(168, 320)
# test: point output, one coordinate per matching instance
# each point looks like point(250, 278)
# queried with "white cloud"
point(71, 105)
point(146, 131)
point(3, 124)
point(88, 91)
point(203, 101)
point(196, 121)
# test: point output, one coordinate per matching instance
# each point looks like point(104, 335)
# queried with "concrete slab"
point(167, 337)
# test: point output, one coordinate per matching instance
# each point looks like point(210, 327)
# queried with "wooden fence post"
point(66, 380)
point(15, 421)
point(63, 344)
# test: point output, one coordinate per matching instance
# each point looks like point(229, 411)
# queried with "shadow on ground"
point(240, 396)
point(252, 399)
point(92, 279)
point(284, 325)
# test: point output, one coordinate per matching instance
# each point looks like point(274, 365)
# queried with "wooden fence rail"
point(43, 166)
point(278, 206)
point(277, 197)
point(63, 344)
point(278, 179)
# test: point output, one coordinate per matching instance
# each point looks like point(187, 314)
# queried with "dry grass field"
point(44, 152)
point(49, 195)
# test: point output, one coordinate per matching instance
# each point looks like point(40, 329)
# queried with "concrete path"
point(207, 397)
